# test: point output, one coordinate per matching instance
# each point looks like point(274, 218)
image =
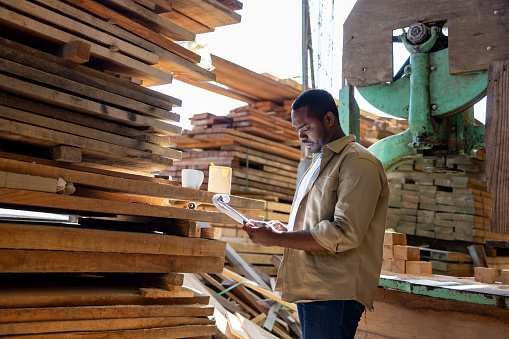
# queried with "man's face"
point(312, 132)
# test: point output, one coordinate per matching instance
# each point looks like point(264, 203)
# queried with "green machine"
point(438, 105)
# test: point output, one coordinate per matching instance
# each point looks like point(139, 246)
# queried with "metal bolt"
point(364, 69)
point(433, 68)
point(489, 48)
point(434, 107)
point(496, 12)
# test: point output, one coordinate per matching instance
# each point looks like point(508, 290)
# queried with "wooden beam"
point(86, 75)
point(125, 185)
point(75, 51)
point(116, 62)
point(497, 145)
point(210, 13)
point(66, 204)
point(38, 237)
point(41, 261)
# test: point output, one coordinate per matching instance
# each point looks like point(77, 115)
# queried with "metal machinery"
point(438, 105)
point(437, 87)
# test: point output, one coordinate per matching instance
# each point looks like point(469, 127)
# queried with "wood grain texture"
point(497, 145)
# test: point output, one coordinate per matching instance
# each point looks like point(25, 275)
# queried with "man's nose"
point(302, 135)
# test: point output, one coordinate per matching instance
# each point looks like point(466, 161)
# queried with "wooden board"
point(92, 77)
point(94, 151)
point(53, 327)
point(70, 204)
point(117, 62)
point(472, 27)
point(102, 312)
point(210, 13)
point(42, 261)
point(497, 128)
point(62, 99)
point(99, 137)
point(184, 331)
point(42, 237)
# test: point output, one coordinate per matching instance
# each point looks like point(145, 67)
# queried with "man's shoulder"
point(354, 150)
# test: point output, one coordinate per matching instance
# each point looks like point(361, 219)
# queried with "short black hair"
point(318, 102)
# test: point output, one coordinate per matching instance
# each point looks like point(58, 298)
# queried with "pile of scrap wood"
point(246, 307)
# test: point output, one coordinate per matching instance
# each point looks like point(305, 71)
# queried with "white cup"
point(220, 179)
point(192, 178)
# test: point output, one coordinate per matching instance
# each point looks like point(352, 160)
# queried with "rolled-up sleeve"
point(360, 184)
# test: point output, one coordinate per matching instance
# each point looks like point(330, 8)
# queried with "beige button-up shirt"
point(345, 208)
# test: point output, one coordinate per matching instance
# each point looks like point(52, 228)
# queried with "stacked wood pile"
point(448, 262)
point(262, 166)
point(440, 206)
point(400, 258)
point(81, 137)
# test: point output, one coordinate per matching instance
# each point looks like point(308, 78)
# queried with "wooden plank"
point(184, 21)
point(66, 204)
point(76, 51)
point(117, 62)
point(255, 287)
point(20, 236)
point(157, 23)
point(42, 261)
point(91, 77)
point(184, 331)
point(497, 159)
point(155, 293)
point(81, 29)
point(55, 79)
point(30, 182)
point(102, 312)
point(125, 185)
point(210, 13)
point(142, 138)
point(97, 325)
point(99, 152)
point(243, 266)
point(69, 101)
point(99, 137)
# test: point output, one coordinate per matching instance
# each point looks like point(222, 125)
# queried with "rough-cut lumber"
point(53, 327)
point(182, 331)
point(157, 24)
point(261, 290)
point(154, 293)
point(74, 102)
point(210, 13)
point(76, 51)
point(98, 137)
point(30, 182)
point(76, 27)
point(485, 275)
point(66, 204)
point(419, 267)
point(102, 312)
point(496, 144)
point(100, 152)
point(87, 75)
point(42, 261)
point(20, 236)
point(119, 184)
point(394, 238)
point(117, 62)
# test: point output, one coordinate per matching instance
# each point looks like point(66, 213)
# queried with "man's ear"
point(329, 118)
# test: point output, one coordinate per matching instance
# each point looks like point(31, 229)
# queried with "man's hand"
point(264, 232)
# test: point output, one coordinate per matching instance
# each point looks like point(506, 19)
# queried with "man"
point(334, 239)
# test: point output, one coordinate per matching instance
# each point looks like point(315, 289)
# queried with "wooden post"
point(497, 144)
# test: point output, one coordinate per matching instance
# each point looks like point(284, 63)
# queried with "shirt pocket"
point(327, 184)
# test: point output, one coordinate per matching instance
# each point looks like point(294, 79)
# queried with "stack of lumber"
point(374, 128)
point(440, 206)
point(448, 263)
point(402, 259)
point(261, 167)
point(113, 306)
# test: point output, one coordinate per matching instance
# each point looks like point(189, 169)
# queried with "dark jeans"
point(331, 319)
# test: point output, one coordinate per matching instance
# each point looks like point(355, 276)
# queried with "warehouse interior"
point(100, 236)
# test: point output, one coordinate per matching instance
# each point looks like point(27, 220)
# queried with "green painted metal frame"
point(446, 290)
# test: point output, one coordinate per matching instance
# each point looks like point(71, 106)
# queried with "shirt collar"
point(337, 145)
